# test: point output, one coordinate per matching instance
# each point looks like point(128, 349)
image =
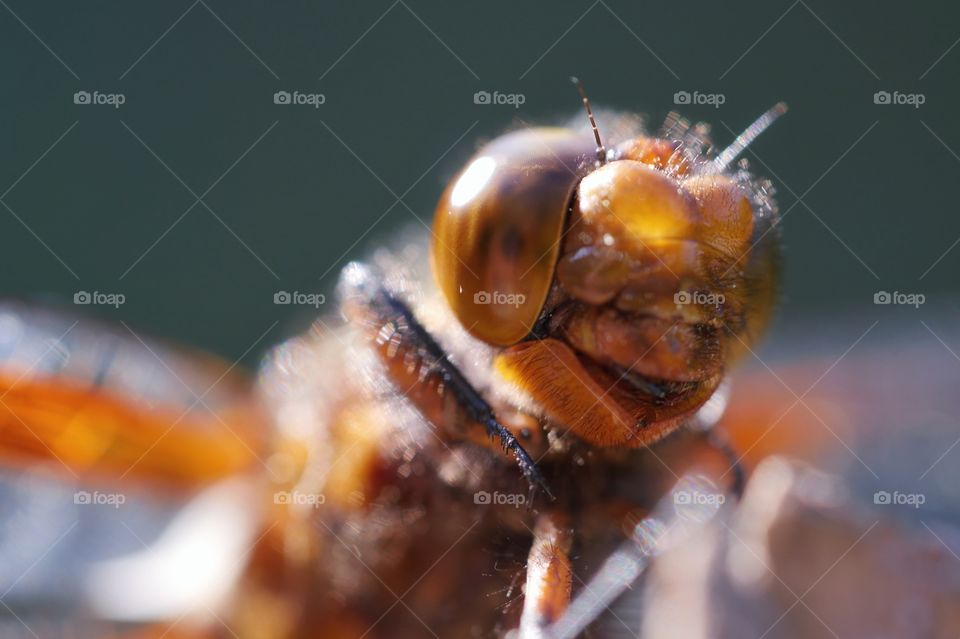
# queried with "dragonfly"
point(499, 407)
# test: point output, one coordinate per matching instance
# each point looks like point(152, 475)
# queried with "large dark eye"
point(497, 230)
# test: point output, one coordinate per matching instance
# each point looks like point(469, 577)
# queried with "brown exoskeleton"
point(585, 302)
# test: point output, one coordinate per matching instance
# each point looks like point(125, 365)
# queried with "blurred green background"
point(98, 198)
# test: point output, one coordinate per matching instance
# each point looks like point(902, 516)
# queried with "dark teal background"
point(878, 186)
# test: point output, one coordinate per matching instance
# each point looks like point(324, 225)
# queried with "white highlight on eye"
point(474, 178)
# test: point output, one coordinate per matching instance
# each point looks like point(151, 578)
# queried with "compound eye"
point(630, 221)
point(497, 228)
point(636, 204)
point(726, 217)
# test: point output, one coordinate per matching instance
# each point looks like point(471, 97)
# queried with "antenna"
point(751, 133)
point(601, 151)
